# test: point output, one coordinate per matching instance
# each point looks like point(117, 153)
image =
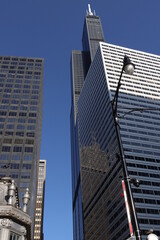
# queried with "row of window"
point(19, 127)
point(16, 149)
point(21, 114)
point(11, 133)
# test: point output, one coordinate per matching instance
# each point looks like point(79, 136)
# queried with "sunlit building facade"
point(21, 103)
point(38, 228)
point(98, 205)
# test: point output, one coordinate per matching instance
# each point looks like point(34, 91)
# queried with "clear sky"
point(51, 29)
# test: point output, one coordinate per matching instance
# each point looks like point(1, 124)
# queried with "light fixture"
point(128, 66)
point(152, 237)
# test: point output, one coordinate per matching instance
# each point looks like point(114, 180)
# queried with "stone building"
point(15, 223)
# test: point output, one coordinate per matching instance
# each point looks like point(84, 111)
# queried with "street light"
point(128, 68)
point(152, 237)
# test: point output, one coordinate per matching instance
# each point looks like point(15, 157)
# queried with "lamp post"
point(128, 68)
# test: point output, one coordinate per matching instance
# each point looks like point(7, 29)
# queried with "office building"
point(38, 228)
point(80, 63)
point(98, 206)
point(21, 96)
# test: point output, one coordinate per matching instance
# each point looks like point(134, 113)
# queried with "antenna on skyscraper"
point(89, 10)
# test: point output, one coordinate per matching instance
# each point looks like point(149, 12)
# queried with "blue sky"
point(51, 29)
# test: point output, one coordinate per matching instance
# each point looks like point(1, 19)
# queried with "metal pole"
point(124, 167)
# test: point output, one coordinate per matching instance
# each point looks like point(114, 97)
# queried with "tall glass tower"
point(80, 63)
point(21, 102)
point(98, 205)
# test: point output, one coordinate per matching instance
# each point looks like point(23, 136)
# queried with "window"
point(24, 185)
point(12, 119)
point(28, 149)
point(26, 91)
point(14, 101)
point(12, 113)
point(32, 114)
point(17, 149)
point(29, 141)
point(8, 133)
point(7, 140)
point(23, 108)
point(24, 102)
point(3, 120)
point(21, 120)
point(6, 149)
point(25, 175)
point(13, 108)
point(2, 113)
point(31, 127)
point(14, 175)
point(18, 141)
point(5, 101)
point(10, 126)
point(27, 166)
point(20, 127)
point(27, 157)
point(4, 156)
point(20, 134)
point(16, 157)
point(22, 114)
point(30, 134)
point(30, 120)
point(14, 165)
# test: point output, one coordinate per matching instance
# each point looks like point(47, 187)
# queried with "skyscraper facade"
point(21, 102)
point(80, 63)
point(99, 170)
point(38, 229)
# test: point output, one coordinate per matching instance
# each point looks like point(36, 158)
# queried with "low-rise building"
point(15, 223)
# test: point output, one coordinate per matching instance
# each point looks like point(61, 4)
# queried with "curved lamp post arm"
point(137, 110)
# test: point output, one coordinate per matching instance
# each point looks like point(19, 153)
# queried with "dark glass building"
point(21, 102)
point(99, 210)
point(80, 63)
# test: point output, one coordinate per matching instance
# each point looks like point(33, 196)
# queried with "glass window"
point(24, 185)
point(26, 175)
point(28, 149)
point(27, 166)
point(10, 126)
point(31, 127)
point(12, 119)
point(27, 157)
point(16, 157)
point(21, 120)
point(14, 165)
point(30, 120)
point(14, 175)
point(4, 156)
point(6, 149)
point(17, 149)
point(1, 126)
point(21, 127)
point(20, 134)
point(2, 119)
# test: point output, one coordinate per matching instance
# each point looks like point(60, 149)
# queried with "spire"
point(89, 10)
